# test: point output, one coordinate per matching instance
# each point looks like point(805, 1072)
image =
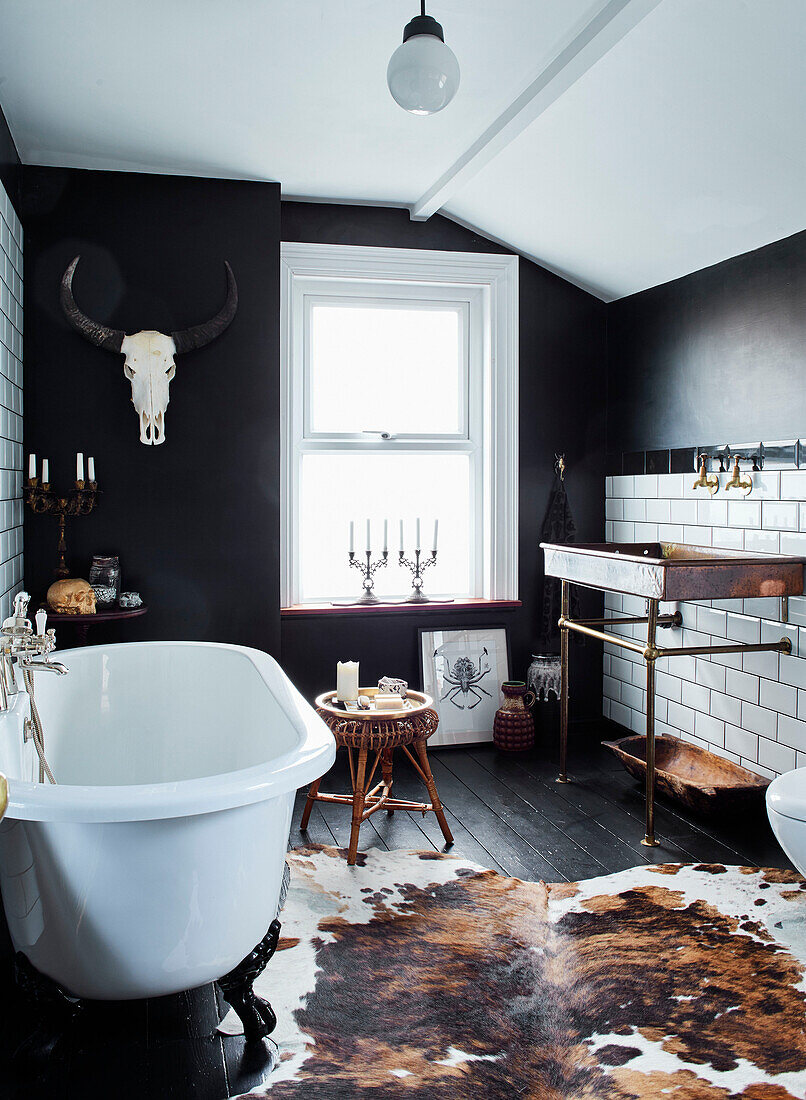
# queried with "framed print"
point(463, 670)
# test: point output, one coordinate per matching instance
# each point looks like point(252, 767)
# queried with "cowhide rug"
point(424, 976)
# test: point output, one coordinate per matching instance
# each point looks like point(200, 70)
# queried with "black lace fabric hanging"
point(558, 527)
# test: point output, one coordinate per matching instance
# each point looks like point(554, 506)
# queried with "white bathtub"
point(155, 864)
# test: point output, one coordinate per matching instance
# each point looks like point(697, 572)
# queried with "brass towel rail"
point(650, 653)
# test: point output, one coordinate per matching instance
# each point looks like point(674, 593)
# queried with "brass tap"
point(704, 479)
point(743, 482)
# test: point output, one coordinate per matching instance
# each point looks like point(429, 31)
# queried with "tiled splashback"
point(748, 707)
point(11, 505)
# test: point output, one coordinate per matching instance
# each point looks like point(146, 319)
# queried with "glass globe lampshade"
point(423, 73)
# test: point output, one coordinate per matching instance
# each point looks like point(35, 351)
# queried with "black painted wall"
point(562, 403)
point(718, 356)
point(195, 520)
point(9, 160)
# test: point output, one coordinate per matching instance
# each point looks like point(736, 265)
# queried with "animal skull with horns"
point(149, 361)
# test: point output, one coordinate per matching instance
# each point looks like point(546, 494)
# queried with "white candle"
point(401, 536)
point(368, 541)
point(79, 466)
point(91, 468)
point(352, 537)
point(436, 532)
point(385, 536)
point(45, 472)
point(31, 466)
point(347, 681)
point(417, 542)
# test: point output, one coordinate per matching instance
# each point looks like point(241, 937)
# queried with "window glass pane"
point(387, 369)
point(337, 488)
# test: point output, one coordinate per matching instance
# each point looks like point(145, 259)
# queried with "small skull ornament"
point(71, 596)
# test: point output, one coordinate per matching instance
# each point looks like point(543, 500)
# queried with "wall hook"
point(559, 466)
point(743, 482)
point(704, 479)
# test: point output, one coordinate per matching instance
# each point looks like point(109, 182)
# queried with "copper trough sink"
point(674, 571)
point(692, 776)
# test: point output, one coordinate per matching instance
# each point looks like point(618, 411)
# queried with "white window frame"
point(487, 286)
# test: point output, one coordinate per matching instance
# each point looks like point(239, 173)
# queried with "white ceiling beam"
point(607, 28)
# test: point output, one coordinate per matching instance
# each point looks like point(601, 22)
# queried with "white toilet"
point(786, 809)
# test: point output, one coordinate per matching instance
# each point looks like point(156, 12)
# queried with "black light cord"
point(422, 7)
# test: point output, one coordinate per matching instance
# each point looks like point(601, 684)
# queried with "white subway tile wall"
point(750, 708)
point(11, 461)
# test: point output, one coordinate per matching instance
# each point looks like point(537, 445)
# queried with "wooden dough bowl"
point(692, 776)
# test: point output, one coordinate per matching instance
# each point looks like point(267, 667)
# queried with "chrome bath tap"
point(21, 644)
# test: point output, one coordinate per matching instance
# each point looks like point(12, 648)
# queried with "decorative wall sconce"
point(704, 479)
point(80, 501)
point(742, 482)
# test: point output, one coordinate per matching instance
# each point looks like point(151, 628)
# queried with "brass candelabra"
point(43, 500)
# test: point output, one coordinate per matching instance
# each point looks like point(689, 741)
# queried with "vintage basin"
point(672, 571)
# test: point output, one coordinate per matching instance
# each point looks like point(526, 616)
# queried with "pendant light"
point(423, 73)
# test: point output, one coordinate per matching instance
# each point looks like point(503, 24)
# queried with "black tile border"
point(789, 454)
point(633, 462)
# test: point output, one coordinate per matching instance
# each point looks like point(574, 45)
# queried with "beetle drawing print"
point(464, 679)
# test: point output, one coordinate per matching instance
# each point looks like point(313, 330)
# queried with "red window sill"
point(311, 610)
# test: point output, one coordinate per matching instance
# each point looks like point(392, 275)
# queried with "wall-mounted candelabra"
point(44, 500)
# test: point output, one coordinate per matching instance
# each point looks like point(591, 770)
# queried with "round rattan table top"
point(418, 701)
point(379, 729)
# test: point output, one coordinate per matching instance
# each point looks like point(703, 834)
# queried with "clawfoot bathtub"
point(155, 864)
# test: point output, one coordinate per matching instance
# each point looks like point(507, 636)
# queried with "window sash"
point(488, 285)
point(470, 329)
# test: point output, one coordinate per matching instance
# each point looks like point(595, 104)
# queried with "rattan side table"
point(379, 733)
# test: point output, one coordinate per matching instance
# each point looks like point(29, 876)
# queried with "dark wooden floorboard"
point(587, 832)
point(563, 854)
point(506, 812)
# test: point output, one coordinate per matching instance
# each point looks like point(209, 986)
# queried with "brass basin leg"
point(565, 604)
point(650, 655)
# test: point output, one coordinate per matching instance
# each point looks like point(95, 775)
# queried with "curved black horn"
point(191, 338)
point(96, 333)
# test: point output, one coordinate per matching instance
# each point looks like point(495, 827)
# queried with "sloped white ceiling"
point(672, 141)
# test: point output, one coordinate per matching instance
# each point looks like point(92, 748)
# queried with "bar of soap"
point(387, 702)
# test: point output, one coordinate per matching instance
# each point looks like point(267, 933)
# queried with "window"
point(399, 403)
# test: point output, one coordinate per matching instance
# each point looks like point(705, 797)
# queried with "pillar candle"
point(79, 466)
point(352, 537)
point(436, 532)
point(45, 471)
point(91, 469)
point(31, 466)
point(347, 681)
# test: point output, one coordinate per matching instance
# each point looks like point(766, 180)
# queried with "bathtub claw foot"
point(256, 1015)
point(47, 1002)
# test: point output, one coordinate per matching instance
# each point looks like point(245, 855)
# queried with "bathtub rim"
point(308, 760)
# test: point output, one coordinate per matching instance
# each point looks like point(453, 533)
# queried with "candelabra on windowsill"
point(43, 500)
point(418, 567)
point(368, 570)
